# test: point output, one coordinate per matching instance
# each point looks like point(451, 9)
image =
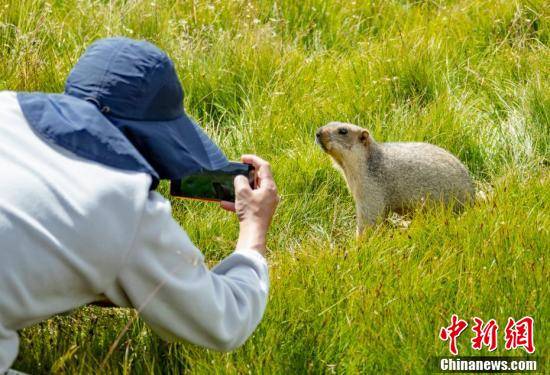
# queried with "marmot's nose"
point(318, 133)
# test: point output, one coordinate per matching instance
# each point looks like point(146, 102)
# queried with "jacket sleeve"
point(165, 278)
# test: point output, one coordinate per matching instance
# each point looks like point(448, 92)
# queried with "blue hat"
point(124, 86)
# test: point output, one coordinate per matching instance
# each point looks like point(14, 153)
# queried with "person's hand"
point(254, 208)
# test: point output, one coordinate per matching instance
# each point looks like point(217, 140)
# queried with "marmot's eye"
point(343, 131)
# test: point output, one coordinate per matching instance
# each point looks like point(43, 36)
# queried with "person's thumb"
point(241, 184)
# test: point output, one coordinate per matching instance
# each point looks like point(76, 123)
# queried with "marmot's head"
point(343, 141)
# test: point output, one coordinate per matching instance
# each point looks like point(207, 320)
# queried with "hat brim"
point(174, 148)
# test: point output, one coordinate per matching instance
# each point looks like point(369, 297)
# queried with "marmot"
point(384, 177)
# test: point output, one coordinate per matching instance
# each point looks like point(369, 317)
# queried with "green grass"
point(261, 76)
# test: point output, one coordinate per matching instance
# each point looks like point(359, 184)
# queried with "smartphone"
point(213, 185)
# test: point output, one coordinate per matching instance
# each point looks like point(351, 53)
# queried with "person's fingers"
point(263, 170)
point(253, 159)
point(228, 206)
point(265, 178)
point(260, 164)
point(267, 184)
point(241, 184)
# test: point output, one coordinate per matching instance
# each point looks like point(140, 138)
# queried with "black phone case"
point(212, 185)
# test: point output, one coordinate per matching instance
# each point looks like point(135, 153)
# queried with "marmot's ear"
point(364, 137)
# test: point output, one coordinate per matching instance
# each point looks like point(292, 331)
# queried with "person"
point(80, 220)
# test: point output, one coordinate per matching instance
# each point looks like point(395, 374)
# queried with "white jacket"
point(72, 231)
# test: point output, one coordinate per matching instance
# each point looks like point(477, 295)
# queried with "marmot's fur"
point(384, 177)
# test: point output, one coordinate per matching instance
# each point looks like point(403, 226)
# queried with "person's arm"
point(165, 277)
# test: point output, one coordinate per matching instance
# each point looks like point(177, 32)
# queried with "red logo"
point(452, 332)
point(485, 335)
point(518, 334)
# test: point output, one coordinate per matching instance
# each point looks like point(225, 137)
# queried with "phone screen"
point(212, 185)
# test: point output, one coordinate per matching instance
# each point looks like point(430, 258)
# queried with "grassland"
point(261, 76)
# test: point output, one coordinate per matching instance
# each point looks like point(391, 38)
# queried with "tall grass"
point(261, 76)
